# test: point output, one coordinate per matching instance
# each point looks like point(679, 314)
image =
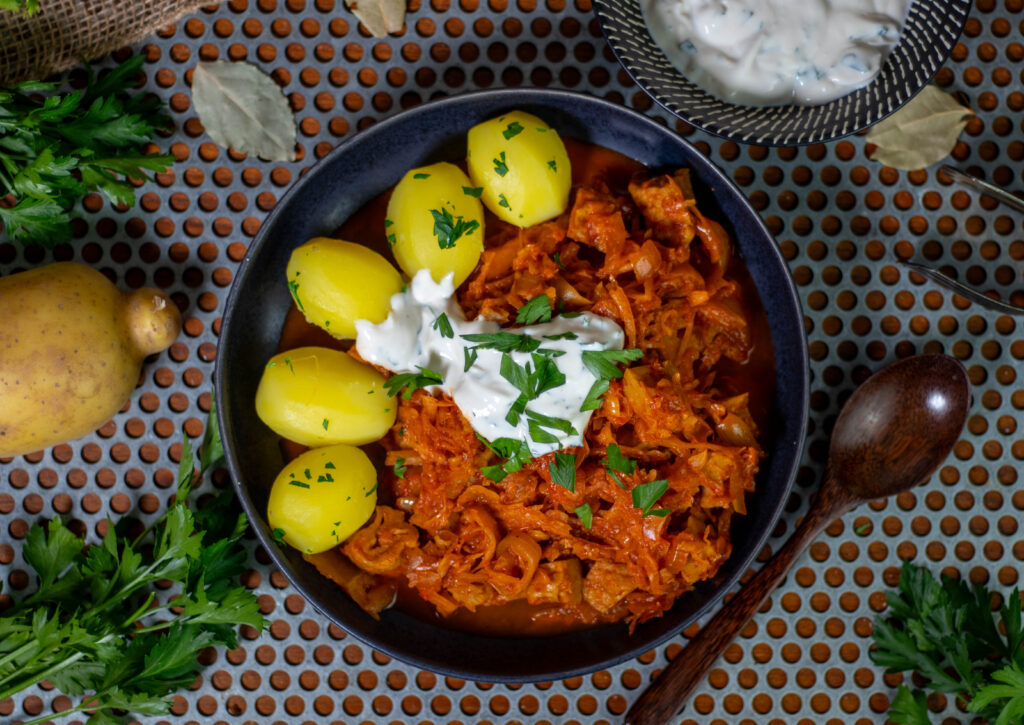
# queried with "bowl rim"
point(536, 97)
point(600, 13)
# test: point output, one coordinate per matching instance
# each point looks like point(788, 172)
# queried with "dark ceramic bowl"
point(932, 29)
point(339, 185)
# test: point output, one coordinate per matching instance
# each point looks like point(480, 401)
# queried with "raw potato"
point(322, 497)
point(318, 397)
point(334, 283)
point(523, 167)
point(71, 350)
point(436, 222)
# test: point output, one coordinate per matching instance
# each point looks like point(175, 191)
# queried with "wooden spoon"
point(892, 434)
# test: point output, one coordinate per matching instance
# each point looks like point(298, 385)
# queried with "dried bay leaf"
point(242, 107)
point(380, 17)
point(921, 133)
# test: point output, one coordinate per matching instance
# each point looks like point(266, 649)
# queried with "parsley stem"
point(141, 611)
point(36, 679)
point(63, 713)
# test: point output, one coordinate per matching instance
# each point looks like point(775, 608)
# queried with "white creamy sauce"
point(763, 52)
point(409, 339)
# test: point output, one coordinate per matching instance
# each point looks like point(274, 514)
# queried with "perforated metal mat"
point(841, 221)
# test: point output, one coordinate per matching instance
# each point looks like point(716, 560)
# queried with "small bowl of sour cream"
point(782, 72)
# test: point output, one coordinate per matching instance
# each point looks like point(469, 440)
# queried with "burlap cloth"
point(67, 32)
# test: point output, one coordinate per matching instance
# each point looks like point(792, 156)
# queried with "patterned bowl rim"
point(602, 11)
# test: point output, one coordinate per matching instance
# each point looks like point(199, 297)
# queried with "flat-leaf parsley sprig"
point(947, 631)
point(95, 628)
point(56, 148)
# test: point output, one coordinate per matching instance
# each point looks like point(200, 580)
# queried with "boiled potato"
point(334, 283)
point(71, 349)
point(523, 167)
point(322, 497)
point(435, 221)
point(317, 397)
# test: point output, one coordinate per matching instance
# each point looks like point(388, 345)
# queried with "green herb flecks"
point(562, 336)
point(55, 148)
point(392, 240)
point(407, 383)
point(563, 470)
point(503, 341)
point(101, 621)
point(593, 399)
point(503, 202)
point(585, 515)
point(553, 165)
point(421, 176)
point(279, 535)
point(473, 191)
point(647, 494)
point(500, 165)
point(298, 484)
point(546, 421)
point(399, 468)
point(469, 358)
point(288, 362)
point(449, 229)
point(513, 130)
point(603, 363)
point(558, 260)
point(615, 461)
point(330, 465)
point(326, 423)
point(536, 310)
point(388, 223)
point(443, 325)
point(516, 454)
point(293, 287)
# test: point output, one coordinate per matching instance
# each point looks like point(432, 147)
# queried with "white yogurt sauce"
point(763, 52)
point(408, 340)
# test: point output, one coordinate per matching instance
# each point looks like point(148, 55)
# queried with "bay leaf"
point(922, 133)
point(380, 17)
point(241, 107)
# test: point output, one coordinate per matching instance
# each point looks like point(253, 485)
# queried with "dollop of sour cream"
point(763, 52)
point(411, 338)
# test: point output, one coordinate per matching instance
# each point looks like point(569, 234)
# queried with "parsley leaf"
point(553, 165)
point(536, 310)
point(546, 421)
point(516, 453)
point(503, 202)
point(586, 515)
point(399, 468)
point(500, 166)
point(539, 435)
point(615, 461)
point(514, 129)
point(563, 470)
point(515, 373)
point(647, 494)
point(603, 363)
point(473, 191)
point(503, 341)
point(449, 229)
point(421, 176)
point(469, 356)
point(909, 707)
point(593, 399)
point(443, 325)
point(406, 383)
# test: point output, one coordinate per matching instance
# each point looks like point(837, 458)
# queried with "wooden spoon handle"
point(664, 698)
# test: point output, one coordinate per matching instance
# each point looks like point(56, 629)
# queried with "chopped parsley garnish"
point(293, 287)
point(562, 336)
point(271, 364)
point(449, 229)
point(615, 461)
point(553, 165)
point(647, 494)
point(473, 191)
point(546, 375)
point(372, 490)
point(563, 470)
point(288, 362)
point(470, 358)
point(503, 341)
point(558, 260)
point(387, 223)
point(392, 241)
point(515, 452)
point(326, 478)
point(406, 383)
point(542, 130)
point(517, 409)
point(421, 176)
point(593, 399)
point(326, 423)
point(536, 310)
point(514, 129)
point(330, 465)
point(515, 373)
point(586, 515)
point(547, 421)
point(603, 363)
point(300, 484)
point(539, 435)
point(399, 468)
point(279, 535)
point(500, 166)
point(443, 325)
point(502, 201)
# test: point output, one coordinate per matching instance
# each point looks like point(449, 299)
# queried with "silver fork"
point(944, 280)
